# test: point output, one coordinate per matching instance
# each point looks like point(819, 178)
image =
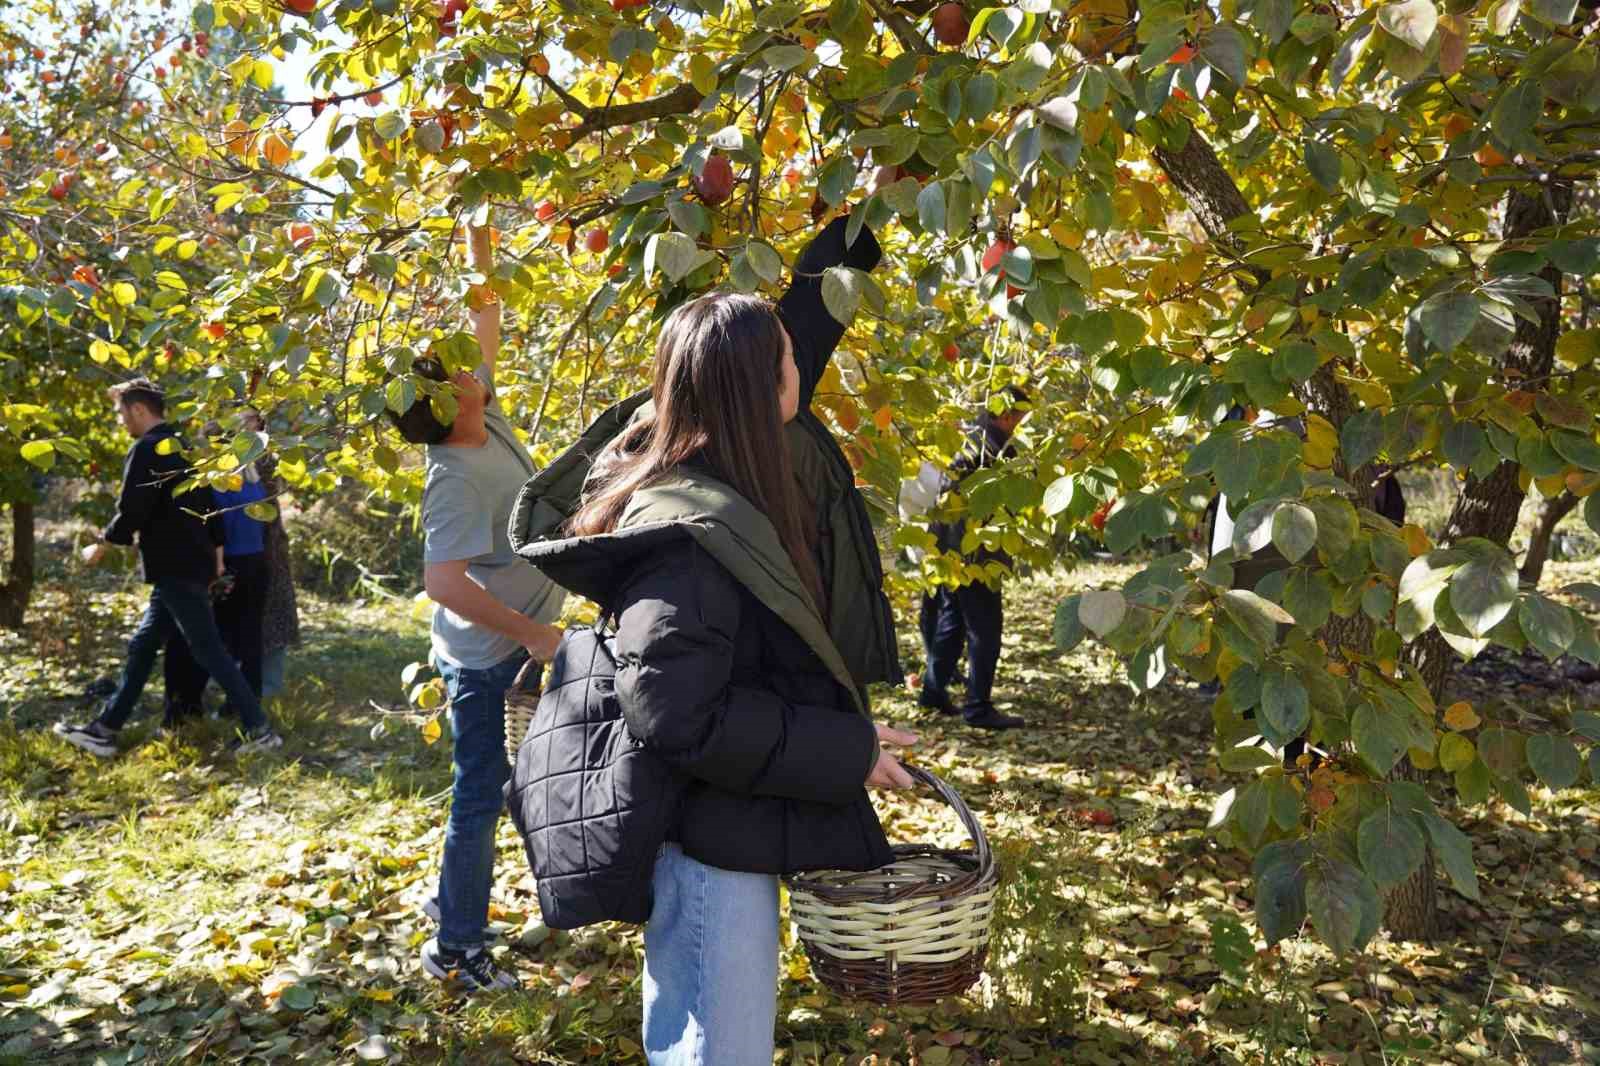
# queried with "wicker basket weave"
point(522, 700)
point(914, 931)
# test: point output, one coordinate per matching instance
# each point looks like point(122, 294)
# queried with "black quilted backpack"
point(593, 806)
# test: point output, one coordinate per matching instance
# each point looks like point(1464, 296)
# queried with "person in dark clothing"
point(973, 612)
point(180, 553)
point(693, 532)
point(239, 612)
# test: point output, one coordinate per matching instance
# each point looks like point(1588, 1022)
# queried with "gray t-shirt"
point(466, 510)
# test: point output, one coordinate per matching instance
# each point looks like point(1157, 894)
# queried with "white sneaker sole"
point(457, 977)
point(103, 749)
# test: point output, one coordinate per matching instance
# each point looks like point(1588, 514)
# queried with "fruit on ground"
point(950, 25)
point(715, 182)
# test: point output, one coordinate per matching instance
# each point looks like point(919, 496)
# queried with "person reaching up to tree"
point(492, 611)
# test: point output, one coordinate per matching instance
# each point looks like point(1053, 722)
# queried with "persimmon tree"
point(1362, 217)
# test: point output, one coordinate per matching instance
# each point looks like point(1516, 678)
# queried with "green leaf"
point(1250, 810)
point(1447, 317)
point(1379, 738)
point(1554, 759)
point(1343, 904)
point(1257, 617)
point(1587, 725)
point(1390, 845)
point(1361, 437)
point(1067, 631)
point(1547, 625)
point(1454, 851)
point(677, 255)
point(1515, 113)
point(298, 997)
point(930, 207)
point(764, 260)
point(1472, 783)
point(1222, 47)
point(1484, 591)
point(1285, 706)
point(1280, 876)
point(389, 125)
point(1337, 524)
point(1412, 21)
point(1552, 12)
point(1323, 161)
point(41, 453)
point(1502, 751)
point(1102, 610)
point(1294, 530)
point(842, 290)
point(1058, 496)
point(1308, 596)
point(1456, 752)
point(1579, 449)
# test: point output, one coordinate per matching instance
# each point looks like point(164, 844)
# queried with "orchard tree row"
point(1377, 221)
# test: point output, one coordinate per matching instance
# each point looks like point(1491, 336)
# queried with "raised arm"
point(486, 317)
point(814, 331)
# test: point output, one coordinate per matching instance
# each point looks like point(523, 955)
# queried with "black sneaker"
point(936, 700)
point(986, 717)
point(263, 739)
point(473, 968)
point(93, 738)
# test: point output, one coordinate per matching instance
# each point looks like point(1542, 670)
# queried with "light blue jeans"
point(710, 965)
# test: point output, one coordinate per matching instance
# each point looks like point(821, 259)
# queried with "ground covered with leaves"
point(176, 906)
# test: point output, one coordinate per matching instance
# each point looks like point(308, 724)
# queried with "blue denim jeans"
point(478, 727)
point(180, 606)
point(710, 965)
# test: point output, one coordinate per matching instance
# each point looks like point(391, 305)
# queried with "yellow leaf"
point(1322, 440)
point(1417, 542)
point(883, 418)
point(1422, 759)
point(124, 293)
point(432, 730)
point(1460, 716)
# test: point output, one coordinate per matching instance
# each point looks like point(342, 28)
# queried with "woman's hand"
point(887, 773)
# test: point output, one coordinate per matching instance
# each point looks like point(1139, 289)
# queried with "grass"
point(175, 906)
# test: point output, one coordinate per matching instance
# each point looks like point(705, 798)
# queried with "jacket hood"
point(688, 503)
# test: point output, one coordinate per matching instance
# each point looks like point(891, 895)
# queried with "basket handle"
point(953, 799)
point(531, 672)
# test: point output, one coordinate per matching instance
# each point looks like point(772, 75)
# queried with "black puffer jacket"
point(714, 676)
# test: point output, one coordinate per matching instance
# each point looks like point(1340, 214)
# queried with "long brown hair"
point(718, 374)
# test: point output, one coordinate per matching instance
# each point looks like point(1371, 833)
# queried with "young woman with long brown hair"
point(693, 532)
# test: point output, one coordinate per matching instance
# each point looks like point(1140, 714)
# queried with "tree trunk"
point(1487, 508)
point(18, 587)
point(1551, 512)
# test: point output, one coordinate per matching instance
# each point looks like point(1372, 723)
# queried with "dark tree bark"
point(18, 587)
point(1487, 508)
point(1551, 512)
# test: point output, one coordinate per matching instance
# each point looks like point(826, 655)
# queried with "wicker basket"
point(914, 931)
point(522, 700)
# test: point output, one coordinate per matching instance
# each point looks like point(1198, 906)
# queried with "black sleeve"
point(814, 331)
point(140, 494)
point(677, 616)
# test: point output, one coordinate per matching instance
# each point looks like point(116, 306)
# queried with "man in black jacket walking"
point(972, 610)
point(180, 553)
